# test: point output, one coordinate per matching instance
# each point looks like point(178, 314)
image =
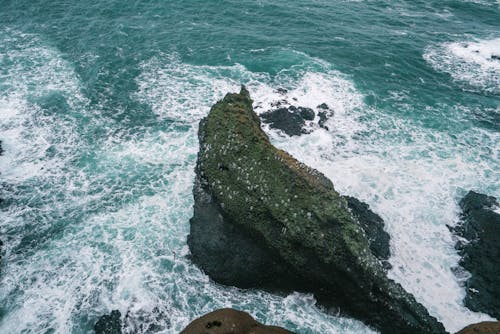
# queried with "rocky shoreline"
point(264, 220)
point(479, 245)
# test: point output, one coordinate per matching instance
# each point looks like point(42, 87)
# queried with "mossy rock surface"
point(262, 219)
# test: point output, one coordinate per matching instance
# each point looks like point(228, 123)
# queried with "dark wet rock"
point(1, 148)
point(291, 120)
point(305, 113)
point(281, 91)
point(280, 103)
point(373, 225)
point(495, 57)
point(229, 321)
point(487, 327)
point(142, 321)
point(1, 244)
point(324, 115)
point(480, 251)
point(290, 123)
point(109, 324)
point(268, 221)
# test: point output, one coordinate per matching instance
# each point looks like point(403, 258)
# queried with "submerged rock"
point(109, 324)
point(486, 327)
point(229, 321)
point(480, 227)
point(263, 219)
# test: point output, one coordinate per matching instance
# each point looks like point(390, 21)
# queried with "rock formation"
point(264, 220)
point(480, 251)
point(229, 321)
point(109, 324)
point(482, 328)
point(291, 120)
point(294, 120)
point(373, 226)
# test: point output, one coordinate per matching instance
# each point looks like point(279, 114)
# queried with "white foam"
point(128, 251)
point(31, 71)
point(181, 92)
point(475, 62)
point(412, 177)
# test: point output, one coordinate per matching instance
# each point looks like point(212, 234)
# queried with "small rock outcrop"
point(262, 219)
point(291, 120)
point(482, 328)
point(480, 251)
point(109, 323)
point(229, 321)
point(295, 120)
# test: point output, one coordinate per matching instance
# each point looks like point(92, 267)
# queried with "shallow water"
point(99, 108)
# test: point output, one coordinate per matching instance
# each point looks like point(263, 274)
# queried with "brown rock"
point(229, 321)
point(487, 327)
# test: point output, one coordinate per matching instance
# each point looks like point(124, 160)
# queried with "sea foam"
point(476, 63)
point(111, 231)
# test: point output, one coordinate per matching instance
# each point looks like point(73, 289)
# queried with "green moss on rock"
point(263, 219)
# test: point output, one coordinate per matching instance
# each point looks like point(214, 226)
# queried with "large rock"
point(480, 251)
point(109, 324)
point(229, 321)
point(264, 220)
point(482, 328)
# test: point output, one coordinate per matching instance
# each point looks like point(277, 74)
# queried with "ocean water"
point(99, 108)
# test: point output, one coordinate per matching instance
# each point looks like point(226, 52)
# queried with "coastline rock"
point(486, 327)
point(294, 120)
point(373, 225)
point(1, 148)
point(264, 220)
point(229, 321)
point(480, 251)
point(291, 120)
point(324, 115)
point(109, 324)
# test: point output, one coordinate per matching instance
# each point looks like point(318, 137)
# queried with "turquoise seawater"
point(99, 108)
